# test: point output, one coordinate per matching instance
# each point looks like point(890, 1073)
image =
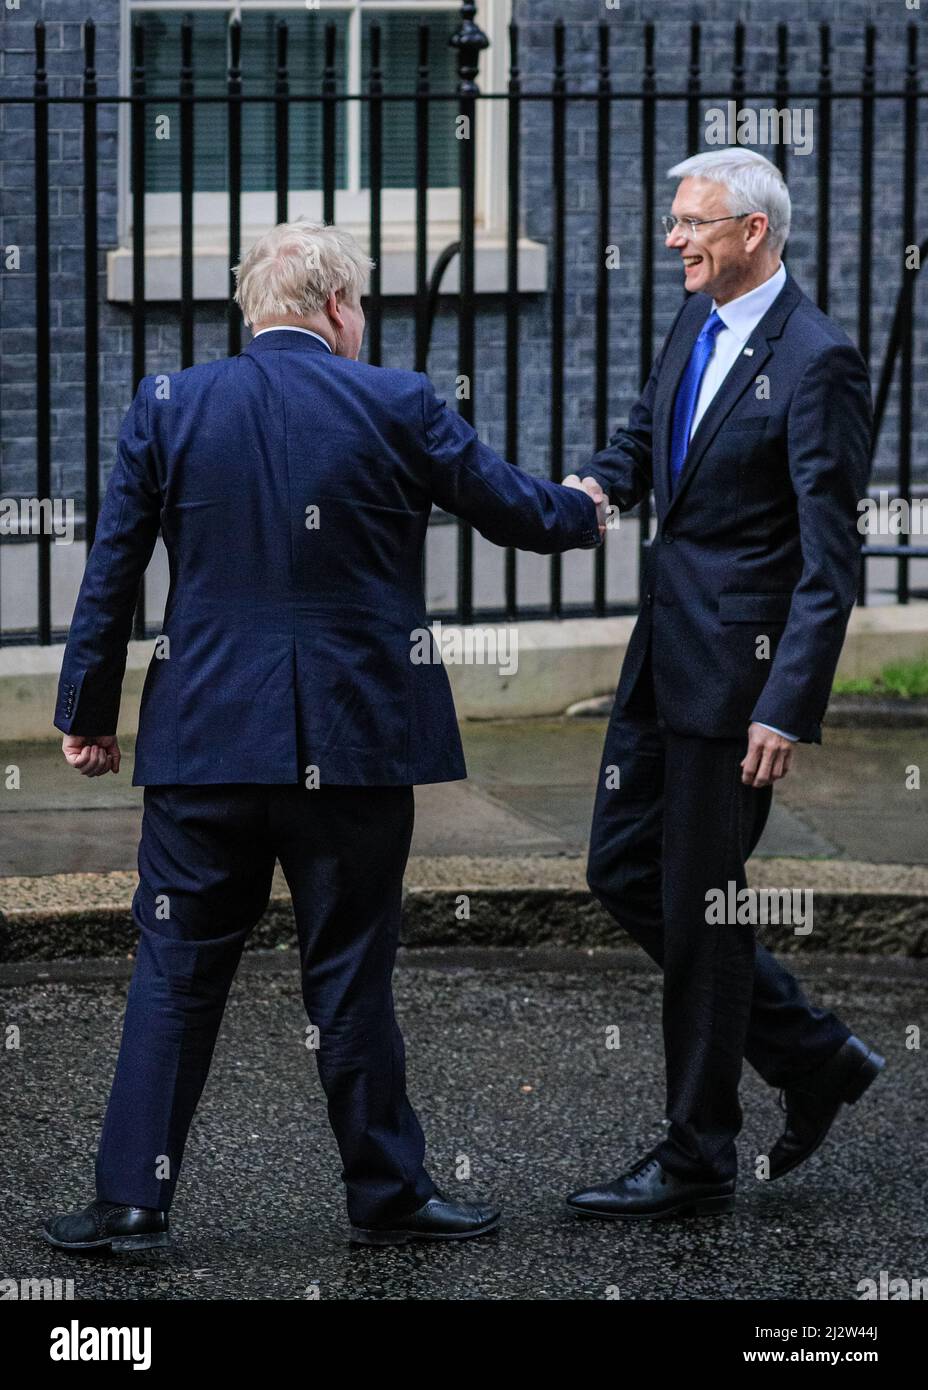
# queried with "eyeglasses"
point(671, 223)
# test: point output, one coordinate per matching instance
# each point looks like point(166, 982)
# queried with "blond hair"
point(294, 268)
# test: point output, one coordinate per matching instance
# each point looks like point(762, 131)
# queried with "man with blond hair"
point(293, 485)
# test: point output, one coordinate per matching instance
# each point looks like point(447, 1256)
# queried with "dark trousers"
point(680, 823)
point(206, 860)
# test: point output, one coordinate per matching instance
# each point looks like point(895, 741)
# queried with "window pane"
point(399, 46)
point(305, 61)
point(306, 50)
point(162, 71)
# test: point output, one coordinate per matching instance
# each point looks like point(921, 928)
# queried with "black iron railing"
point(558, 98)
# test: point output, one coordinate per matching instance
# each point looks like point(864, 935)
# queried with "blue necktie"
point(684, 407)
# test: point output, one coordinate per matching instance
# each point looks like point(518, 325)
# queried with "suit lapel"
point(678, 354)
point(744, 370)
point(747, 366)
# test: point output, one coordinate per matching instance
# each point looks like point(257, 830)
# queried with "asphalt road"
point(509, 1071)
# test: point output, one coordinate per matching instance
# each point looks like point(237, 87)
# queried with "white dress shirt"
point(739, 318)
point(289, 328)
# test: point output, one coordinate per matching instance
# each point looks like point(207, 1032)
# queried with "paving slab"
point(530, 790)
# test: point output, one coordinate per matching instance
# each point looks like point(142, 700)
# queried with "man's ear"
point(758, 222)
point(334, 309)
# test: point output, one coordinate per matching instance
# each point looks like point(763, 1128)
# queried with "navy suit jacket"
point(759, 538)
point(290, 630)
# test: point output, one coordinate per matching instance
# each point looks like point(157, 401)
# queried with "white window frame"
point(352, 205)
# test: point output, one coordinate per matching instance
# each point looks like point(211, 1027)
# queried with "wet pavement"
point(507, 1059)
point(509, 1072)
point(530, 792)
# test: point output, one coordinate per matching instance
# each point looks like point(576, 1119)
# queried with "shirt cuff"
point(793, 738)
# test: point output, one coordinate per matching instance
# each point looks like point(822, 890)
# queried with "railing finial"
point(470, 41)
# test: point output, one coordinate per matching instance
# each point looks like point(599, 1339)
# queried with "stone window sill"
point(398, 267)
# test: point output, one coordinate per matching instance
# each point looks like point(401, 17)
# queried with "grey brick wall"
point(672, 19)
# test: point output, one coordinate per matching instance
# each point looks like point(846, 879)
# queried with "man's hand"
point(592, 489)
point(767, 759)
point(92, 756)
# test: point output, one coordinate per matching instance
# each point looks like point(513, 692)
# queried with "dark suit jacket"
point(290, 643)
point(760, 536)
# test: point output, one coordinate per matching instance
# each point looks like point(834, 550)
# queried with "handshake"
point(593, 489)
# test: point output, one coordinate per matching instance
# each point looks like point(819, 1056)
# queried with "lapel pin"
point(749, 352)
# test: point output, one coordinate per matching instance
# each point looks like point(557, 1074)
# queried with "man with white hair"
point(283, 715)
point(754, 432)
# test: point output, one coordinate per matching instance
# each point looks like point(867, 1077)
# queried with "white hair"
point(294, 268)
point(753, 184)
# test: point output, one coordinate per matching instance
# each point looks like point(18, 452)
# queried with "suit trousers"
point(206, 860)
point(679, 823)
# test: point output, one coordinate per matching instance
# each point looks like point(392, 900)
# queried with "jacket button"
point(668, 538)
point(649, 597)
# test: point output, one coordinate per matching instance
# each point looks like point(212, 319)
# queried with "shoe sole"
point(702, 1206)
point(863, 1078)
point(366, 1235)
point(119, 1245)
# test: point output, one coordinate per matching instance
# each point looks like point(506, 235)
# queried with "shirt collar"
point(289, 328)
point(742, 315)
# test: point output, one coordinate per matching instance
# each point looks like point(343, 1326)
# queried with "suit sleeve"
point(624, 468)
point(829, 442)
point(94, 663)
point(506, 505)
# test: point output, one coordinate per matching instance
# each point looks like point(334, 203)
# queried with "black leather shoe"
point(111, 1224)
point(648, 1190)
point(813, 1102)
point(437, 1219)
